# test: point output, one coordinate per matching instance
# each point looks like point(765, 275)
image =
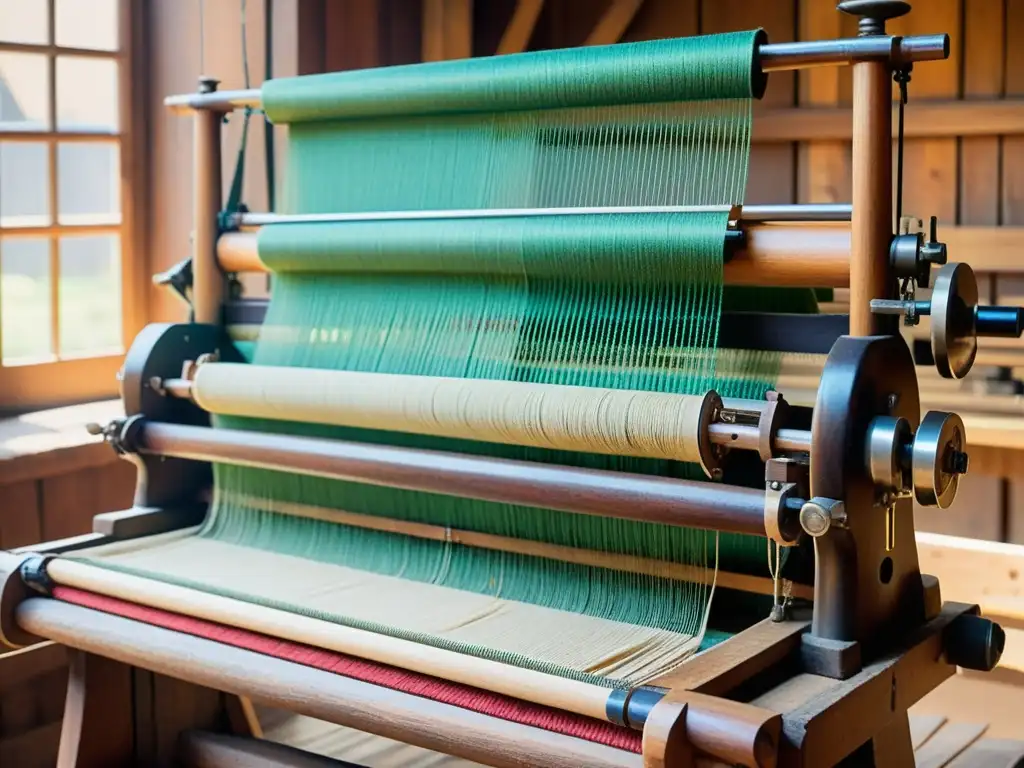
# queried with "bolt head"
point(814, 519)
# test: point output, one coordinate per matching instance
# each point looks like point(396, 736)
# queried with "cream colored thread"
point(592, 420)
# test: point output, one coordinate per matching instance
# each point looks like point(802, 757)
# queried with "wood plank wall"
point(44, 506)
point(56, 506)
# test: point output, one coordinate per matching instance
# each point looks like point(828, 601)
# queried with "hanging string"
point(235, 195)
point(774, 569)
point(268, 128)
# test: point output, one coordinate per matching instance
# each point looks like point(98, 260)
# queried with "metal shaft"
point(746, 437)
point(772, 57)
point(567, 489)
point(817, 212)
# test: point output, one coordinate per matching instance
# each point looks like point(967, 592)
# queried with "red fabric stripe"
point(464, 696)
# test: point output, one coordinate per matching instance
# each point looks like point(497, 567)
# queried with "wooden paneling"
point(772, 175)
point(32, 686)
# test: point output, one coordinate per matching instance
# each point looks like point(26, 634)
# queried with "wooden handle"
point(312, 692)
point(684, 723)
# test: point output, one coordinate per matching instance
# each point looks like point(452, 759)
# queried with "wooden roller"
point(585, 419)
point(774, 255)
point(541, 688)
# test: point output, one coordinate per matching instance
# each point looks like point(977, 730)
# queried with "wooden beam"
point(976, 571)
point(520, 28)
point(986, 249)
point(447, 29)
point(614, 23)
point(203, 749)
point(989, 117)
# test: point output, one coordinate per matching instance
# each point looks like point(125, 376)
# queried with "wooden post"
point(208, 280)
point(871, 224)
point(98, 728)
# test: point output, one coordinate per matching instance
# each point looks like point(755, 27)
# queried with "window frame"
point(75, 378)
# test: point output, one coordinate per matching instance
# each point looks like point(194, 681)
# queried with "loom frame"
point(860, 716)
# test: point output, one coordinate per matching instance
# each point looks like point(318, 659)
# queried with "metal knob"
point(874, 13)
point(819, 515)
point(938, 458)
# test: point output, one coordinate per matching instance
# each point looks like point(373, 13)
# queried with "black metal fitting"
point(33, 573)
point(974, 642)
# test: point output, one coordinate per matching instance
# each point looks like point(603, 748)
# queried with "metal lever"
point(179, 279)
point(957, 319)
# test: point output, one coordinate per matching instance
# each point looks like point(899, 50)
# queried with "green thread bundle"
point(628, 301)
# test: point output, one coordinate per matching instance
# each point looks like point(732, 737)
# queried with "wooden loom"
point(826, 680)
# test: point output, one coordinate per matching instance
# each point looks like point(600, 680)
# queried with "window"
point(64, 237)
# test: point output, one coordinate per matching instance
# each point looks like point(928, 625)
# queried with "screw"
point(893, 400)
point(776, 485)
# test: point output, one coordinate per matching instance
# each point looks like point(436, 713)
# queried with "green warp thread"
point(622, 301)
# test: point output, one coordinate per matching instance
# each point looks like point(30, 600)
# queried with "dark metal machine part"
point(862, 591)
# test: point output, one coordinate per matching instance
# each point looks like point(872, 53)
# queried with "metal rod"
point(180, 388)
point(208, 281)
point(591, 492)
point(746, 437)
point(772, 57)
point(216, 101)
point(816, 212)
point(887, 49)
point(793, 440)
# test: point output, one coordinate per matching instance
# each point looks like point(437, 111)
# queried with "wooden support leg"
point(893, 748)
point(98, 714)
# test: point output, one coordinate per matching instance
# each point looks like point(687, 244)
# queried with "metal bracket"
point(786, 484)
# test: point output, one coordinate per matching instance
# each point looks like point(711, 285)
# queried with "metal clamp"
point(786, 483)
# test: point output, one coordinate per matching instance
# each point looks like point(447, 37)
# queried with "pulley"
point(957, 320)
point(928, 462)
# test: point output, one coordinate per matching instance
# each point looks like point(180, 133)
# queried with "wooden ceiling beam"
point(520, 27)
point(614, 23)
point(447, 29)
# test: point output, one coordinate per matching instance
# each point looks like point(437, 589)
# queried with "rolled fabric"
point(586, 419)
point(681, 69)
point(612, 247)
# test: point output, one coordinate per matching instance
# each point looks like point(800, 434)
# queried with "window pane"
point(89, 188)
point(86, 94)
point(24, 89)
point(24, 184)
point(25, 317)
point(87, 24)
point(90, 294)
point(23, 21)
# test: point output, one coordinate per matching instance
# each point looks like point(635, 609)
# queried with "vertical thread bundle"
point(628, 302)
